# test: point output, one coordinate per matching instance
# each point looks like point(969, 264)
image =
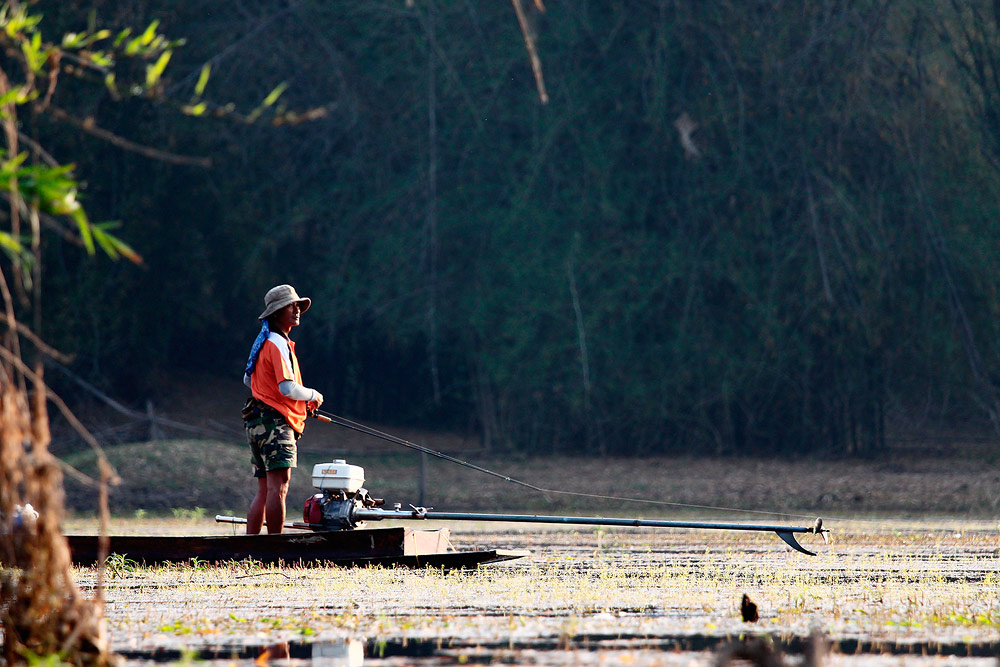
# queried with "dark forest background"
point(736, 227)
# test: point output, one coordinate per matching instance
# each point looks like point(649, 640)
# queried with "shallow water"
point(631, 650)
point(879, 594)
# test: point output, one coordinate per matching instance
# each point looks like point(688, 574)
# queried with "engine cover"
point(338, 475)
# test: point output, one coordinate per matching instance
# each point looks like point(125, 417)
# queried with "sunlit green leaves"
point(199, 88)
point(16, 95)
point(93, 54)
point(9, 243)
point(101, 51)
point(273, 96)
point(148, 44)
point(99, 59)
point(122, 36)
point(113, 246)
point(144, 41)
point(10, 167)
point(78, 40)
point(268, 102)
point(195, 109)
point(53, 190)
point(147, 37)
point(155, 71)
point(16, 250)
point(86, 234)
point(17, 21)
point(34, 53)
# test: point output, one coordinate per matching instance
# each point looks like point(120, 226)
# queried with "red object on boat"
point(312, 512)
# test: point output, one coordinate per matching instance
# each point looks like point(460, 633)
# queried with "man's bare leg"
point(255, 517)
point(277, 491)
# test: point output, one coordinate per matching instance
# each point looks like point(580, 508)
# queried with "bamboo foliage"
point(734, 228)
point(44, 614)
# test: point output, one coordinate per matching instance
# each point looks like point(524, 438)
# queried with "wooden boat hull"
point(403, 547)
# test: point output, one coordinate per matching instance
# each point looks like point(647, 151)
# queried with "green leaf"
point(146, 38)
point(9, 243)
point(275, 94)
point(194, 109)
point(105, 242)
point(9, 168)
point(17, 160)
point(63, 202)
point(98, 36)
point(122, 36)
point(155, 71)
point(13, 95)
point(19, 21)
point(14, 249)
point(199, 87)
point(133, 47)
point(34, 54)
point(86, 234)
point(101, 59)
point(112, 245)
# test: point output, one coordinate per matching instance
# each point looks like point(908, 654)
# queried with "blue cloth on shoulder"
point(265, 331)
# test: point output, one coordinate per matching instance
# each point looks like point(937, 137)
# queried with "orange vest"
point(275, 364)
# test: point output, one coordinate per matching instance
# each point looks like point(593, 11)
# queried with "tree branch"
point(89, 127)
point(42, 346)
point(530, 42)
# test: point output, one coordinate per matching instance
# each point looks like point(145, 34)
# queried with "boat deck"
point(403, 547)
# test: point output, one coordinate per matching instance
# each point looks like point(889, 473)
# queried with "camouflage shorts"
point(272, 444)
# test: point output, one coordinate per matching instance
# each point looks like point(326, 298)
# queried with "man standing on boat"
point(275, 414)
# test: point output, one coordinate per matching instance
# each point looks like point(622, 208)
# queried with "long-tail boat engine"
point(340, 494)
point(342, 504)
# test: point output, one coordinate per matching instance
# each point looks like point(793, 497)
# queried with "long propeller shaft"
point(786, 533)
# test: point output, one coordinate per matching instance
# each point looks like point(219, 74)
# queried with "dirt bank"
point(181, 475)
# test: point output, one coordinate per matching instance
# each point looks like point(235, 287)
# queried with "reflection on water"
point(345, 653)
point(349, 653)
point(341, 653)
point(273, 652)
point(552, 651)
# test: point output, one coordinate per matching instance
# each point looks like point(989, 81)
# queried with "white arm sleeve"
point(297, 392)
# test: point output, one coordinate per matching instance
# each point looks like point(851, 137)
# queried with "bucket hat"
point(279, 297)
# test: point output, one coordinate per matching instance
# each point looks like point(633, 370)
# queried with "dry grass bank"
point(181, 475)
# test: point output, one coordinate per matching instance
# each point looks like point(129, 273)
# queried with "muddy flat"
point(880, 592)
